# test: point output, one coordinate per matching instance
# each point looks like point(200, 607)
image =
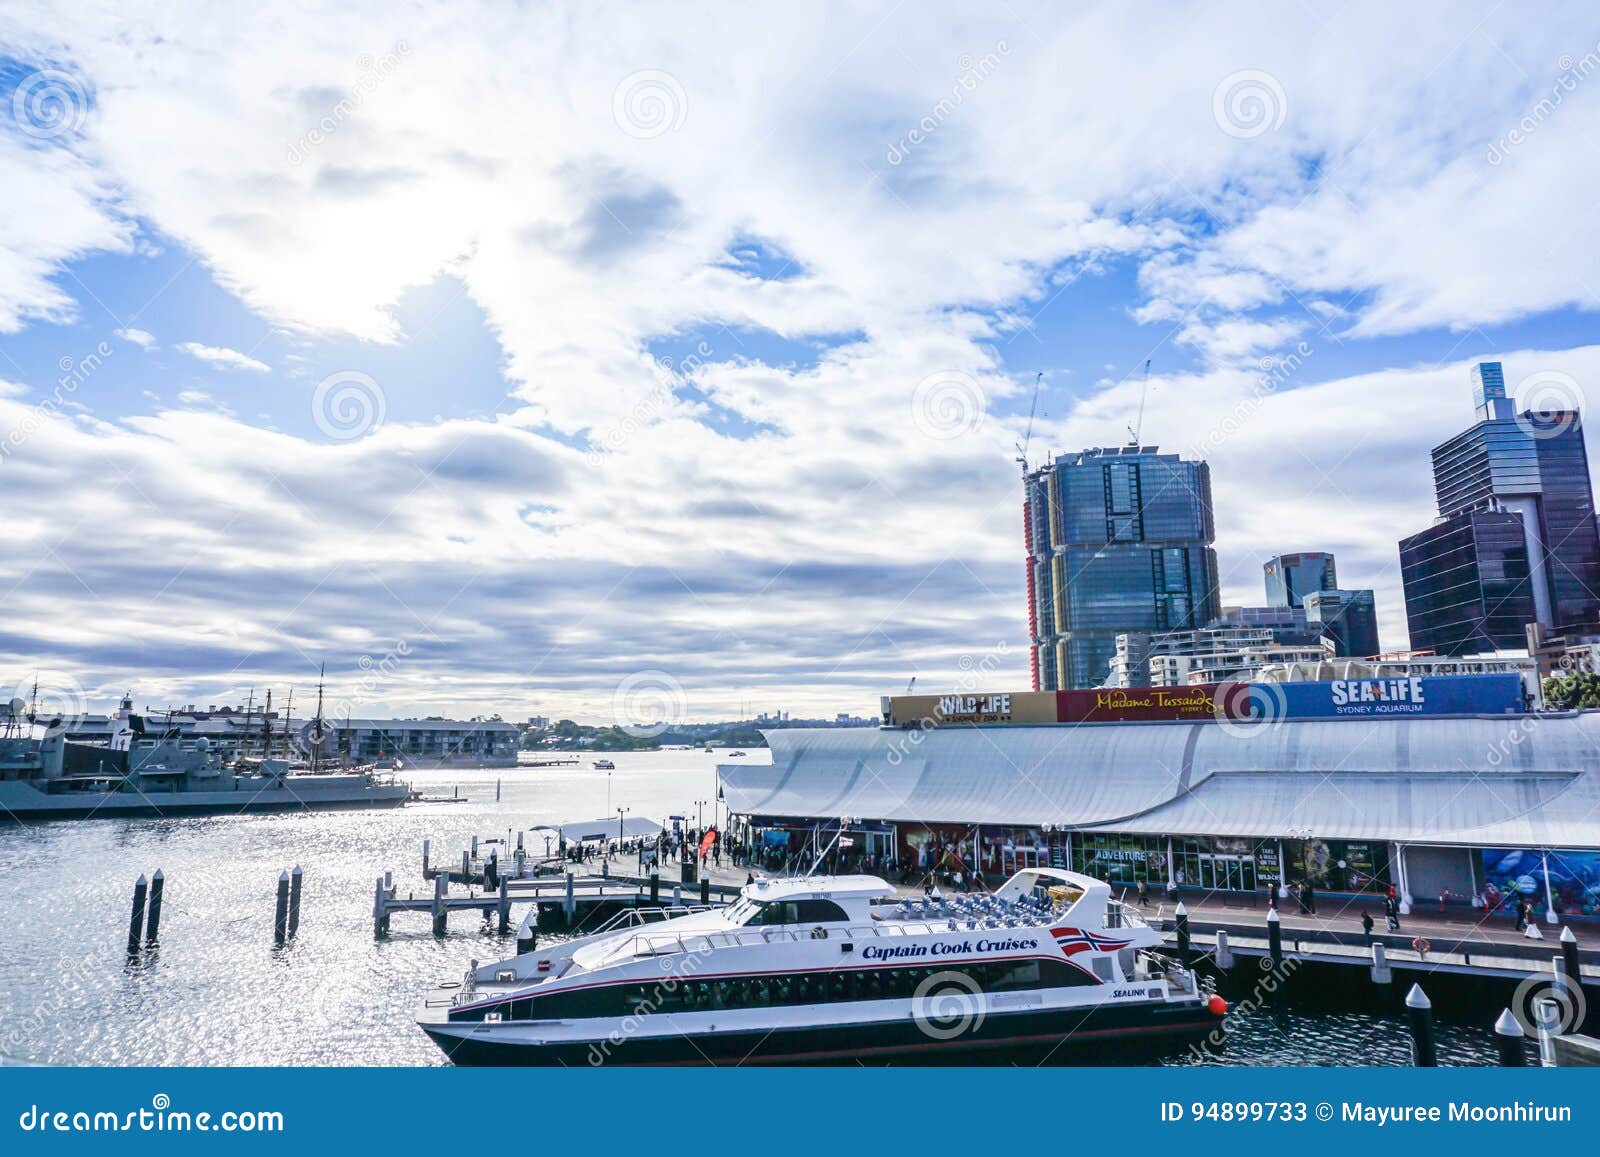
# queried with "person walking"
point(1144, 894)
point(1366, 926)
point(1391, 911)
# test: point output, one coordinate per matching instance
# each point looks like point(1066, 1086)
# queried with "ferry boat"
point(835, 970)
point(604, 765)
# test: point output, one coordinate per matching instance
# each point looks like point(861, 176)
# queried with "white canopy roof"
point(1500, 780)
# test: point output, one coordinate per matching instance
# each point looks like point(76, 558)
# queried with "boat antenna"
point(266, 727)
point(1138, 424)
point(1027, 437)
point(316, 726)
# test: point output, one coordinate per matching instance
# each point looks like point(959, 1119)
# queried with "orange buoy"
point(1217, 1005)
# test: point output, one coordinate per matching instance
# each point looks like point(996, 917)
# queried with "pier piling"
point(1275, 937)
point(1419, 1010)
point(136, 924)
point(1181, 920)
point(441, 882)
point(466, 864)
point(497, 791)
point(569, 905)
point(152, 928)
point(1224, 953)
point(504, 907)
point(297, 877)
point(380, 911)
point(655, 887)
point(677, 895)
point(528, 931)
point(1570, 965)
point(705, 890)
point(1509, 1041)
point(1381, 972)
point(280, 919)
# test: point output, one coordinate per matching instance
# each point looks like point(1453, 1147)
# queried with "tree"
point(1571, 692)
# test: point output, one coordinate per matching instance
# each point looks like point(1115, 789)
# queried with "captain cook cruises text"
point(1362, 1113)
point(159, 1117)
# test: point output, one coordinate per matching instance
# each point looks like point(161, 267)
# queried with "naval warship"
point(141, 772)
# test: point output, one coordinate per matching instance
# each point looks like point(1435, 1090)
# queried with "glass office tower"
point(1349, 619)
point(1119, 540)
point(1532, 472)
point(1290, 577)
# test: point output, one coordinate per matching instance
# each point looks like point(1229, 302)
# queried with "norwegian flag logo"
point(1075, 940)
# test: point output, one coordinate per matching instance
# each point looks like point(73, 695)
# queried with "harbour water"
point(216, 991)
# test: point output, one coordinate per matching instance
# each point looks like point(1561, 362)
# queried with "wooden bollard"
point(1419, 1010)
point(297, 878)
point(528, 931)
point(136, 924)
point(569, 904)
point(1509, 1042)
point(1275, 938)
point(1224, 953)
point(466, 866)
point(424, 859)
point(1181, 921)
point(677, 895)
point(152, 928)
point(705, 890)
point(280, 918)
point(474, 847)
point(441, 884)
point(655, 887)
point(504, 906)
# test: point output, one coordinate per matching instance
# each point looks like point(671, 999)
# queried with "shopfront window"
point(1121, 859)
point(1338, 865)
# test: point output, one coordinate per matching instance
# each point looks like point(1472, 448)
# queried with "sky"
point(634, 362)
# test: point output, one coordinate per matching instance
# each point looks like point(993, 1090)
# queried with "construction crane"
point(1027, 437)
point(1144, 390)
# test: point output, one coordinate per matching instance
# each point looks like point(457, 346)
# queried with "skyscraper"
point(1516, 537)
point(1119, 539)
point(1348, 619)
point(1290, 577)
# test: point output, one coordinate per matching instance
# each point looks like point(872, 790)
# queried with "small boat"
point(835, 969)
point(737, 754)
point(604, 765)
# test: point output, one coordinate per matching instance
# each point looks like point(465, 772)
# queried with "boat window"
point(799, 912)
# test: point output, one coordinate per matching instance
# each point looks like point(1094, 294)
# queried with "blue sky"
point(563, 357)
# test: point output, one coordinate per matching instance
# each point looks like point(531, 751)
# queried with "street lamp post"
point(621, 811)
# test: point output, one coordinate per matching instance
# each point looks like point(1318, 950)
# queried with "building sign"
point(1427, 695)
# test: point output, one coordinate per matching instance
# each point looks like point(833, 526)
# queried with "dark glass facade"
point(1467, 584)
point(1290, 577)
point(1348, 618)
point(1532, 468)
point(1120, 541)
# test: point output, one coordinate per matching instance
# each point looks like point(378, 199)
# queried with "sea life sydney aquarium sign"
point(1329, 699)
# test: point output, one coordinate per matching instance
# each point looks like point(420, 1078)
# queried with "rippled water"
point(217, 992)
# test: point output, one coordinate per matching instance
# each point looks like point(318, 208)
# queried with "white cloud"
point(223, 358)
point(318, 172)
point(141, 338)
